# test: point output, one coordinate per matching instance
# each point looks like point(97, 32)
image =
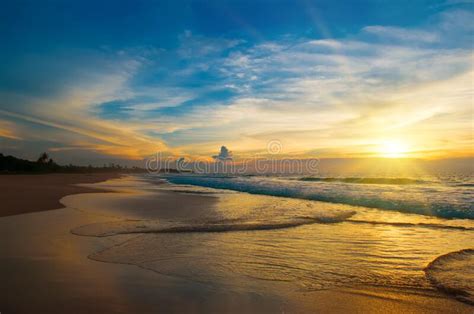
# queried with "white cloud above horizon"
point(342, 95)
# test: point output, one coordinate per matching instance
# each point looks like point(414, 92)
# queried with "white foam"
point(155, 226)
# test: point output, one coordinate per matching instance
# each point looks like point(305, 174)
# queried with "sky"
point(91, 81)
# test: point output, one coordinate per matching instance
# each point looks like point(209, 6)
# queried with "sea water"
point(414, 234)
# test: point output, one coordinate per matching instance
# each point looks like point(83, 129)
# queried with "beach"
point(237, 157)
point(24, 193)
point(143, 249)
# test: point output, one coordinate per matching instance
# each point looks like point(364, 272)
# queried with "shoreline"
point(57, 263)
point(26, 193)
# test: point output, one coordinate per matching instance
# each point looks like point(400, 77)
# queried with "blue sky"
point(94, 80)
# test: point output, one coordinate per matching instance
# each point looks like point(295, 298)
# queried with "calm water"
point(307, 233)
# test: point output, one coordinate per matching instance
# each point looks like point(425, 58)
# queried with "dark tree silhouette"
point(43, 158)
point(45, 164)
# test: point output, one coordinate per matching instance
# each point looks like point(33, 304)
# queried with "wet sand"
point(45, 269)
point(29, 193)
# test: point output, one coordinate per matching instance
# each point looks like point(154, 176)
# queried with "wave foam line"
point(409, 224)
point(141, 226)
point(435, 208)
point(355, 180)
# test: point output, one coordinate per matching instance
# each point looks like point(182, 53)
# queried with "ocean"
point(306, 233)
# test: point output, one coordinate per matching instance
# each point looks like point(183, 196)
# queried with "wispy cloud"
point(337, 96)
point(333, 90)
point(72, 110)
point(398, 33)
point(8, 130)
point(197, 46)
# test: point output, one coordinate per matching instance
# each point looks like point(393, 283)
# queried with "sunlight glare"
point(393, 149)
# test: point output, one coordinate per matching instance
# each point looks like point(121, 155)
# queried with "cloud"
point(224, 154)
point(8, 130)
point(398, 33)
point(332, 95)
point(454, 2)
point(71, 109)
point(197, 46)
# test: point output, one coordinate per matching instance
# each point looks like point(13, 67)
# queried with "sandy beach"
point(31, 193)
point(45, 268)
point(247, 157)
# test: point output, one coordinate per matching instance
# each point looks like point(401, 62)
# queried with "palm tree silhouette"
point(43, 158)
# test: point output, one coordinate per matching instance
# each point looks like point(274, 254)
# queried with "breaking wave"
point(453, 273)
point(399, 181)
point(228, 225)
point(424, 197)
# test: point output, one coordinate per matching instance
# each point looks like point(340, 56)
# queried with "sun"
point(393, 149)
